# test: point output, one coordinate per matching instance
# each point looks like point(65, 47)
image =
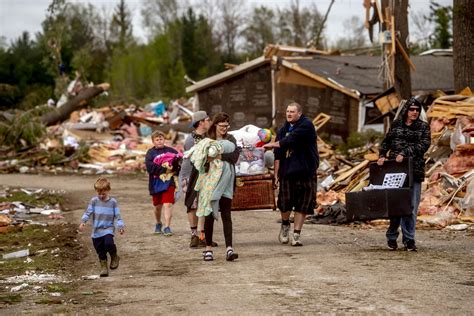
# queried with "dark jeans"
point(103, 245)
point(224, 208)
point(407, 223)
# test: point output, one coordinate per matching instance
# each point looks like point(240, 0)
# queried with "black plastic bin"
point(378, 204)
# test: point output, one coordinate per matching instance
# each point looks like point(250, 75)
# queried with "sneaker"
point(158, 229)
point(194, 243)
point(284, 237)
point(392, 244)
point(167, 231)
point(296, 242)
point(410, 245)
point(202, 243)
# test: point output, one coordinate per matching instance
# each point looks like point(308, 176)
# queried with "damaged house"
point(257, 92)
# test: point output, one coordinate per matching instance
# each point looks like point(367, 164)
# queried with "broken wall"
point(247, 98)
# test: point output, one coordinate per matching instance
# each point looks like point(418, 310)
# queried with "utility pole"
point(395, 15)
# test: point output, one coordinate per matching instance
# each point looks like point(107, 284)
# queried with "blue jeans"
point(408, 223)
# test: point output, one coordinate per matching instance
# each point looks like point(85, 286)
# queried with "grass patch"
point(10, 298)
point(61, 288)
point(39, 199)
point(43, 243)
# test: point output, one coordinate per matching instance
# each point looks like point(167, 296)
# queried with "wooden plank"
point(351, 172)
point(405, 55)
point(320, 120)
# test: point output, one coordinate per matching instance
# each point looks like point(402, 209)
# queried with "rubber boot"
point(114, 261)
point(104, 270)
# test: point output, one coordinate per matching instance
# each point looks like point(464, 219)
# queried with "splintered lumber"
point(404, 54)
point(80, 100)
point(358, 182)
point(320, 120)
point(350, 172)
point(345, 161)
point(371, 156)
point(450, 107)
point(388, 103)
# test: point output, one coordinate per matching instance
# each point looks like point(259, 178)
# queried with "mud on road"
point(339, 269)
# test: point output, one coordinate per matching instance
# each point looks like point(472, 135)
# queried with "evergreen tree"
point(259, 31)
point(121, 30)
point(200, 58)
point(442, 17)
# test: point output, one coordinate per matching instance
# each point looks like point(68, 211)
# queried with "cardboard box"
point(377, 204)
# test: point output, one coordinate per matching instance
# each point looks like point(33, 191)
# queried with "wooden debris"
point(350, 172)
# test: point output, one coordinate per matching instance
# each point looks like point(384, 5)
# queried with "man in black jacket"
point(296, 162)
point(408, 137)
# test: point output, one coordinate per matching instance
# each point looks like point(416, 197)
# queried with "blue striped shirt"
point(104, 214)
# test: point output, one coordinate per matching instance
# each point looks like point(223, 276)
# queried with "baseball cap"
point(198, 116)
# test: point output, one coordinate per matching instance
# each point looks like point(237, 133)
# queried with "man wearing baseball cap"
point(188, 175)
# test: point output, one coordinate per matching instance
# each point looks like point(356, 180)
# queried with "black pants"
point(103, 245)
point(224, 208)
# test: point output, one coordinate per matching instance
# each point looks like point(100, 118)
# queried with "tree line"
point(182, 40)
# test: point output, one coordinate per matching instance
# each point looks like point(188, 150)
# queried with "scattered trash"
point(31, 278)
point(91, 277)
point(50, 212)
point(19, 287)
point(55, 250)
point(17, 254)
point(458, 227)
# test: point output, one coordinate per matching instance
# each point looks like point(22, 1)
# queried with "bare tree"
point(158, 14)
point(354, 36)
point(232, 12)
point(260, 30)
point(297, 26)
point(103, 27)
point(422, 28)
point(209, 9)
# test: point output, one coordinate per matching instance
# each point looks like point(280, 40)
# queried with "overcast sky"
point(17, 16)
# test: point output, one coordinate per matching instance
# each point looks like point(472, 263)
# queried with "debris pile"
point(448, 190)
point(21, 206)
point(111, 139)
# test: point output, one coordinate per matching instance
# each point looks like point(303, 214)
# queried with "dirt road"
point(339, 269)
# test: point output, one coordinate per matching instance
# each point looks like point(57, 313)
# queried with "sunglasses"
point(414, 109)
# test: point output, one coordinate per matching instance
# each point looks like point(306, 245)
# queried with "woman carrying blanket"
point(215, 160)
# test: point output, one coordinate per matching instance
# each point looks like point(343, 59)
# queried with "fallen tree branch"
point(62, 113)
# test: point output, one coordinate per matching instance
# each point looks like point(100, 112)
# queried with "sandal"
point(231, 255)
point(208, 255)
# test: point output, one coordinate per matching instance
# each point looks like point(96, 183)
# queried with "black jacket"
point(298, 153)
point(409, 141)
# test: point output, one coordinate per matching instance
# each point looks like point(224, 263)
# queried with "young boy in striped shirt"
point(104, 211)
